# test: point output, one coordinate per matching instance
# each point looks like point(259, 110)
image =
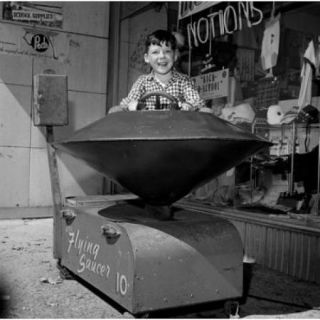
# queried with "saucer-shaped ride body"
point(162, 155)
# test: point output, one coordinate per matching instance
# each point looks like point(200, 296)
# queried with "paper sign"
point(213, 85)
point(34, 12)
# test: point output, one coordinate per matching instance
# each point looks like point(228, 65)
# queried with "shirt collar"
point(175, 75)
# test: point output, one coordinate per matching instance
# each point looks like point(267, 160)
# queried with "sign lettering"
point(187, 8)
point(212, 85)
point(40, 42)
point(121, 284)
point(88, 252)
point(32, 16)
point(223, 22)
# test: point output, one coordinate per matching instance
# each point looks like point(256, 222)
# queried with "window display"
point(269, 54)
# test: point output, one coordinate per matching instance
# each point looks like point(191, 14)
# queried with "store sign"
point(187, 8)
point(212, 85)
point(40, 42)
point(222, 22)
point(21, 15)
point(33, 12)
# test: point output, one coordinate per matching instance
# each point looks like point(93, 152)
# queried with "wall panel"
point(87, 67)
point(15, 113)
point(40, 187)
point(87, 17)
point(45, 65)
point(77, 179)
point(9, 66)
point(14, 186)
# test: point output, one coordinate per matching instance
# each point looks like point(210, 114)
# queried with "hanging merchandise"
point(309, 61)
point(270, 43)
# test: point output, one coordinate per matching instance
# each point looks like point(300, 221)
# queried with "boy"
point(161, 54)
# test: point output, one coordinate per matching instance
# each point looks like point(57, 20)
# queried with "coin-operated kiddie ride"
point(142, 251)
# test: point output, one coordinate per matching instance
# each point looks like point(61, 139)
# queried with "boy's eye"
point(158, 51)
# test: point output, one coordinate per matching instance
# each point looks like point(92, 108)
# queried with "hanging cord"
point(273, 10)
point(307, 138)
point(272, 14)
point(190, 50)
point(210, 42)
point(178, 20)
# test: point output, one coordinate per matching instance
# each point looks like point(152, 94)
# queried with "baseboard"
point(26, 212)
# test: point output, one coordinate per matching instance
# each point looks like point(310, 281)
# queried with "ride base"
point(147, 262)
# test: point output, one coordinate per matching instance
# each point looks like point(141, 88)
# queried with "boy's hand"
point(132, 105)
point(118, 109)
point(186, 106)
point(205, 109)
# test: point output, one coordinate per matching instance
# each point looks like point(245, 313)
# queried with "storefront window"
point(271, 53)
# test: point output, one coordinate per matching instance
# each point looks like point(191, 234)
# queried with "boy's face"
point(161, 58)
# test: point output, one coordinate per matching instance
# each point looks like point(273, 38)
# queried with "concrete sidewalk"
point(31, 287)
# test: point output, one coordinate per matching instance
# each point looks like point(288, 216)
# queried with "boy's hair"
point(159, 36)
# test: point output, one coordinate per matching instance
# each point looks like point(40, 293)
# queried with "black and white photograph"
point(159, 159)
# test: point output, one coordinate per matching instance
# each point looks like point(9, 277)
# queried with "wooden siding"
point(287, 245)
point(293, 252)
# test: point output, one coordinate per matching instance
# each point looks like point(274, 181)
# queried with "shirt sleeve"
point(136, 91)
point(191, 95)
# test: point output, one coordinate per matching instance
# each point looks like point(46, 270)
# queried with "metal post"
point(190, 54)
point(291, 182)
point(56, 195)
point(316, 211)
point(252, 182)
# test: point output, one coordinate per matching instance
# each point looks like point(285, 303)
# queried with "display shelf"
point(289, 146)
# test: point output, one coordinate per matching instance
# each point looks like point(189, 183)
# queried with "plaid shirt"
point(179, 86)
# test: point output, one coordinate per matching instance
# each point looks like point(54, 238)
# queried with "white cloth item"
point(305, 93)
point(276, 115)
point(270, 43)
point(242, 113)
